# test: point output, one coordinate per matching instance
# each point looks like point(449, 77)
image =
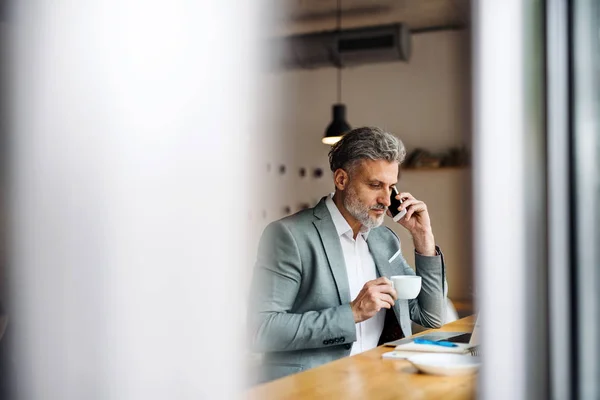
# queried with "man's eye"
point(375, 185)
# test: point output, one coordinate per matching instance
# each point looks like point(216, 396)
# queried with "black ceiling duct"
point(345, 48)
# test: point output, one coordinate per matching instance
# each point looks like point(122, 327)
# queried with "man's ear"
point(340, 178)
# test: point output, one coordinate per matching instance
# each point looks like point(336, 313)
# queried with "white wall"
point(425, 102)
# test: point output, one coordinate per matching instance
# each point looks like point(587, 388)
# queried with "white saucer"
point(446, 364)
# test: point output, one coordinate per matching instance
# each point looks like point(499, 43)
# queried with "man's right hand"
point(374, 296)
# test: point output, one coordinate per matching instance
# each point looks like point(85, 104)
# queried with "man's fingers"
point(384, 304)
point(406, 195)
point(380, 281)
point(387, 299)
point(407, 203)
point(411, 205)
point(415, 207)
point(388, 290)
point(392, 293)
point(409, 213)
point(374, 282)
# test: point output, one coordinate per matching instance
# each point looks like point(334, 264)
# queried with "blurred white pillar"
point(510, 204)
point(132, 131)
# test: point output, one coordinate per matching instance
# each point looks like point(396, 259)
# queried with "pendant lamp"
point(338, 127)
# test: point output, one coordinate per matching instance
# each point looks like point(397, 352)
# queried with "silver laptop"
point(454, 337)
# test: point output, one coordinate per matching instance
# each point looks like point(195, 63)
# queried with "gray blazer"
point(299, 313)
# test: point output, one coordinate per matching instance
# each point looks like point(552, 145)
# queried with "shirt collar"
point(341, 225)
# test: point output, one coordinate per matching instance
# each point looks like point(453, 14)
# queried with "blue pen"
point(440, 343)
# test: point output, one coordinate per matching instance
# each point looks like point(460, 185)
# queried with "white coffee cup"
point(407, 286)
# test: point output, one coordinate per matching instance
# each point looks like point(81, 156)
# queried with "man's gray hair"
point(369, 143)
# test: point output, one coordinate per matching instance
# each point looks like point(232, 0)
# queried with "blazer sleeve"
point(275, 285)
point(429, 308)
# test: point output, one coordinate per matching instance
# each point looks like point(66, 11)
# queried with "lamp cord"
point(339, 82)
point(339, 66)
point(339, 15)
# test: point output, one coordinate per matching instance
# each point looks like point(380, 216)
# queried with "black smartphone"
point(394, 204)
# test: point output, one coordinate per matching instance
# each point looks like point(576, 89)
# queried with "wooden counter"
point(368, 376)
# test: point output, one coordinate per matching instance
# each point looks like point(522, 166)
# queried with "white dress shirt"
point(360, 267)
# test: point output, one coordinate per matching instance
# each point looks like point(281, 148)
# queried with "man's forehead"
point(378, 170)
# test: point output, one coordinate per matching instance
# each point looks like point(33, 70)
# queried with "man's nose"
point(385, 200)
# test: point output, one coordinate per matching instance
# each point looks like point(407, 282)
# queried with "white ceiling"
point(301, 16)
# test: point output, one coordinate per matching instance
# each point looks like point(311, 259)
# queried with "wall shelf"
point(433, 168)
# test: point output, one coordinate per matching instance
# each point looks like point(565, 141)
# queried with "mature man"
point(320, 289)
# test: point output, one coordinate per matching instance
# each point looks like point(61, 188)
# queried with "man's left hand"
point(417, 222)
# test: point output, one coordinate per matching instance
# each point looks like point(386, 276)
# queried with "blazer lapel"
point(333, 250)
point(379, 254)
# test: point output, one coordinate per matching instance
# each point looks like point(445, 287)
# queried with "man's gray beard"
point(360, 211)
